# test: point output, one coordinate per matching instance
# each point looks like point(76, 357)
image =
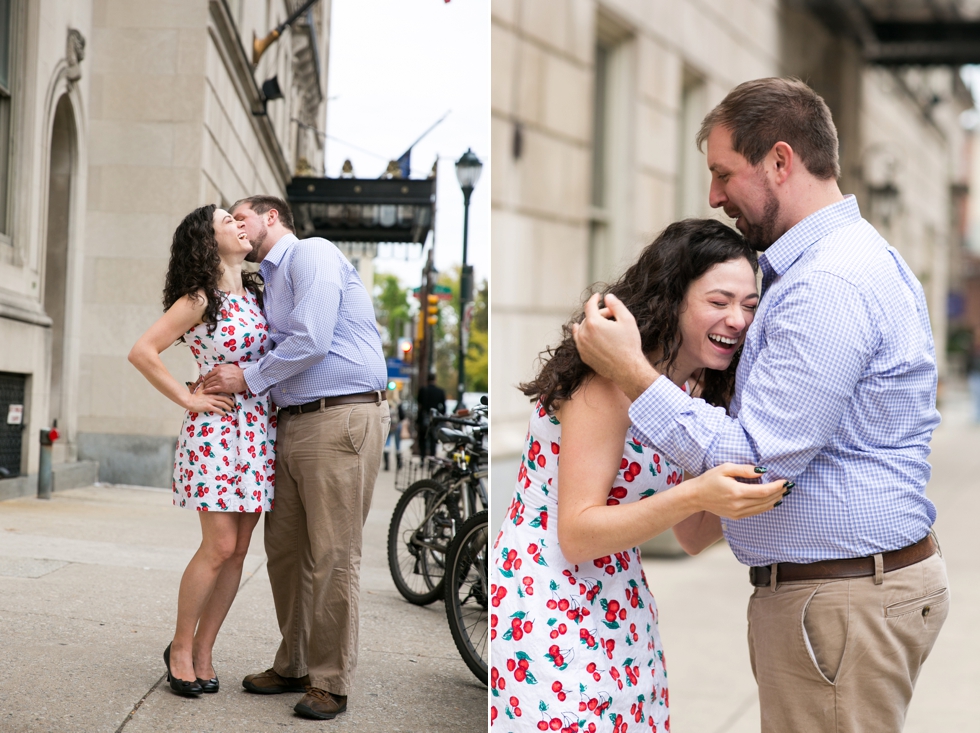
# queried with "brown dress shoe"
point(320, 704)
point(271, 682)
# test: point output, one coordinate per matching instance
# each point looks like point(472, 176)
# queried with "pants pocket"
point(824, 624)
point(923, 605)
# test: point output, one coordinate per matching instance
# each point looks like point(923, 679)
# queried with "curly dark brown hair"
point(195, 266)
point(653, 289)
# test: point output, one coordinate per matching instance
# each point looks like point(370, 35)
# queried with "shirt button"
point(925, 611)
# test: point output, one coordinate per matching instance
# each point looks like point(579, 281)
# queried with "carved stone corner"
point(74, 54)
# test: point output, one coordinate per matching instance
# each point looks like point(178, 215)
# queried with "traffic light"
point(432, 309)
point(405, 349)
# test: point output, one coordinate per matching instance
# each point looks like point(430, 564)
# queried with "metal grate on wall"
point(12, 390)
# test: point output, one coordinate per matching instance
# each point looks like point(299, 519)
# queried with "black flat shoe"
point(181, 687)
point(210, 685)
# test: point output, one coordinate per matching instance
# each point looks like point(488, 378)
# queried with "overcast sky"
point(397, 66)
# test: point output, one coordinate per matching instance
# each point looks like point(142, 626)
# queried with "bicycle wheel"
point(467, 593)
point(419, 534)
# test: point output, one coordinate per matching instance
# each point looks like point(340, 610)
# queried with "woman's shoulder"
point(189, 309)
point(597, 398)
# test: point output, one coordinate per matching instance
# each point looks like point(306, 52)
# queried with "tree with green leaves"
point(446, 338)
point(478, 348)
point(392, 308)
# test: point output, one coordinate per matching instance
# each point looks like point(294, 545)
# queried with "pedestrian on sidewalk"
point(327, 374)
point(836, 390)
point(973, 374)
point(431, 397)
point(397, 415)
point(225, 463)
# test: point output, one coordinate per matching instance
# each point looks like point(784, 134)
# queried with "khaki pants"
point(842, 656)
point(326, 465)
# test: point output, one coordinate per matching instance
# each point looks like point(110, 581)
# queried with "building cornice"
point(229, 45)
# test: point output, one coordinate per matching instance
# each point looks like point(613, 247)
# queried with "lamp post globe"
point(468, 169)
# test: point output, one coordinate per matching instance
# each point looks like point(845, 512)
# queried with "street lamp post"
point(468, 169)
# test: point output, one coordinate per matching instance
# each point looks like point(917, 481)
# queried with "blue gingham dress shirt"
point(836, 390)
point(321, 322)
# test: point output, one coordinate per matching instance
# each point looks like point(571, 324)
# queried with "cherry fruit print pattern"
point(228, 463)
point(574, 648)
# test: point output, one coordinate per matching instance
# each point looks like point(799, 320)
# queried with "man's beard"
point(763, 234)
point(257, 243)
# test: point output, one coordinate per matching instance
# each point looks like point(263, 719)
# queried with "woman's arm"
point(145, 356)
point(594, 424)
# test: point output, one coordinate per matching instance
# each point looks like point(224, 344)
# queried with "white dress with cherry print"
point(228, 463)
point(573, 647)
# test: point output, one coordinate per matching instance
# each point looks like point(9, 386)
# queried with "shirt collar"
point(278, 250)
point(787, 249)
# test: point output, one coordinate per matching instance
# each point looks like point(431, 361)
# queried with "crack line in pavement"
point(252, 574)
point(409, 654)
point(163, 677)
point(137, 706)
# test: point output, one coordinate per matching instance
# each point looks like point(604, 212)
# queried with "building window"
point(611, 151)
point(692, 184)
point(5, 85)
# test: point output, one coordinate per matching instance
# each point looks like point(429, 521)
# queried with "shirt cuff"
point(253, 378)
point(656, 410)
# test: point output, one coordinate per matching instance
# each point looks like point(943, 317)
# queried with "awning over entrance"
point(363, 210)
point(906, 32)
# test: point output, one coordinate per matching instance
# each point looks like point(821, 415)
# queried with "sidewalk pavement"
point(88, 595)
point(703, 601)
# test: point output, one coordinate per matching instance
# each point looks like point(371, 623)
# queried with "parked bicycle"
point(430, 511)
point(467, 593)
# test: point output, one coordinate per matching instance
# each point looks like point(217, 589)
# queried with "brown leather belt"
point(347, 399)
point(857, 567)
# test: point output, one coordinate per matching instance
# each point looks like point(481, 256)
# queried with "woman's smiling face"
point(230, 235)
point(717, 310)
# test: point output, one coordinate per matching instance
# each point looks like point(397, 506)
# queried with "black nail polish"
point(778, 502)
point(787, 492)
point(789, 485)
point(760, 469)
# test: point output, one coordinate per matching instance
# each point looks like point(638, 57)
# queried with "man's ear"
point(271, 217)
point(782, 158)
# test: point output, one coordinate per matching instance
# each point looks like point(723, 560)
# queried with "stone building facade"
point(117, 118)
point(595, 106)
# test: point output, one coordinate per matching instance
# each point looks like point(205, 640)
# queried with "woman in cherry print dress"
point(225, 462)
point(573, 625)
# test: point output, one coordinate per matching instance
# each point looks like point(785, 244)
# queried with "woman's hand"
point(718, 492)
point(201, 402)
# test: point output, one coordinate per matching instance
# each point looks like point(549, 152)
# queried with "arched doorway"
point(61, 170)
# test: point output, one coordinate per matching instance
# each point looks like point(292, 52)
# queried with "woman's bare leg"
point(219, 532)
point(222, 597)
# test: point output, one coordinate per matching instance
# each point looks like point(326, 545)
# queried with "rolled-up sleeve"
point(792, 400)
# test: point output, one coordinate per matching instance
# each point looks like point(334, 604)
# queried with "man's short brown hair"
point(264, 204)
point(763, 112)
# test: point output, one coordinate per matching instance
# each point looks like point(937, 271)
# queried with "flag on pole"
point(405, 162)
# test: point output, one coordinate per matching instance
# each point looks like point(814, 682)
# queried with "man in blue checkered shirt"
point(836, 390)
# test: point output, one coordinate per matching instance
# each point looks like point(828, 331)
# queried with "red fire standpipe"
point(48, 437)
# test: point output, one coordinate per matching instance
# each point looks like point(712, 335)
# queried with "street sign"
point(440, 291)
point(398, 369)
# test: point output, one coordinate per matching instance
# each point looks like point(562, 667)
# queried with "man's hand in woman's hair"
point(609, 341)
